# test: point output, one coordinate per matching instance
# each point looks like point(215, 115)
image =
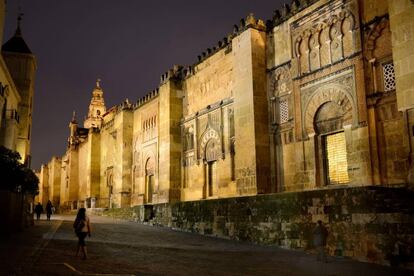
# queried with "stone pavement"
point(20, 250)
point(128, 248)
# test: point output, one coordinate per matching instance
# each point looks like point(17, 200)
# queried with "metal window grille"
point(389, 77)
point(284, 111)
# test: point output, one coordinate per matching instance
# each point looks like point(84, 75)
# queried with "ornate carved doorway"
point(328, 123)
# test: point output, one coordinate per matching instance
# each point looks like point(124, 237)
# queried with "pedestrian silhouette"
point(49, 207)
point(320, 234)
point(38, 210)
point(82, 228)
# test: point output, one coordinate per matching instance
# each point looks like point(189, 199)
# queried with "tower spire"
point(74, 117)
point(19, 20)
point(98, 83)
point(16, 43)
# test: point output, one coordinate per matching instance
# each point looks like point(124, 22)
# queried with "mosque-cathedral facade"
point(319, 96)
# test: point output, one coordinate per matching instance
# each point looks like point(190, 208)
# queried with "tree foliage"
point(14, 175)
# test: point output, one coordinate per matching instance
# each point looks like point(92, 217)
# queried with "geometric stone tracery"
point(388, 76)
point(323, 95)
point(210, 145)
point(283, 111)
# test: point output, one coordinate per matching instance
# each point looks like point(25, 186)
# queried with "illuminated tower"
point(96, 108)
point(22, 67)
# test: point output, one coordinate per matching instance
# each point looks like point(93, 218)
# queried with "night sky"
point(128, 44)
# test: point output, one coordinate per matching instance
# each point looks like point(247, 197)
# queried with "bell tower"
point(96, 108)
point(22, 67)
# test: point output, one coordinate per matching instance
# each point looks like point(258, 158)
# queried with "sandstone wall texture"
point(371, 224)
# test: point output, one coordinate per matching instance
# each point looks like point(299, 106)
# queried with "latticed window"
point(389, 77)
point(284, 111)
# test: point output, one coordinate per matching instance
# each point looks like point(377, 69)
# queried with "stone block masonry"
point(370, 224)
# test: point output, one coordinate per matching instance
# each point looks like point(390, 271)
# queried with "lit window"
point(389, 77)
point(337, 163)
point(284, 111)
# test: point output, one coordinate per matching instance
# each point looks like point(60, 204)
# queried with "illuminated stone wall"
point(222, 129)
point(145, 165)
point(116, 157)
point(55, 167)
point(205, 128)
point(401, 19)
point(170, 106)
point(333, 60)
point(256, 114)
point(369, 224)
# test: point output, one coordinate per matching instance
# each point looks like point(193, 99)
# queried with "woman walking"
point(82, 228)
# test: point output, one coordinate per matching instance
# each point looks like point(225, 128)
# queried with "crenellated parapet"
point(148, 97)
point(125, 105)
point(174, 73)
point(245, 23)
point(287, 11)
point(179, 72)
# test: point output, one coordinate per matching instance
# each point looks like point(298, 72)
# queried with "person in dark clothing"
point(49, 207)
point(82, 229)
point(38, 210)
point(320, 234)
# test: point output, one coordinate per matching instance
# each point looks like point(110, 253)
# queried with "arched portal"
point(329, 127)
point(149, 180)
point(212, 154)
point(329, 115)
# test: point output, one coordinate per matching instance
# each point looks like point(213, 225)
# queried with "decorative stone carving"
point(110, 176)
point(189, 138)
point(280, 98)
point(329, 118)
point(323, 38)
point(333, 93)
point(207, 139)
point(378, 52)
point(150, 166)
point(281, 81)
point(374, 33)
point(213, 150)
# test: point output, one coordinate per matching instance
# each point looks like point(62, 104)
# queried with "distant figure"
point(49, 207)
point(82, 228)
point(38, 210)
point(320, 234)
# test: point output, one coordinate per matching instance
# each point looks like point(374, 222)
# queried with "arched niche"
point(330, 93)
point(212, 151)
point(348, 31)
point(331, 145)
point(209, 138)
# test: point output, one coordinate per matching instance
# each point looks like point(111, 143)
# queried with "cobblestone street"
point(127, 248)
